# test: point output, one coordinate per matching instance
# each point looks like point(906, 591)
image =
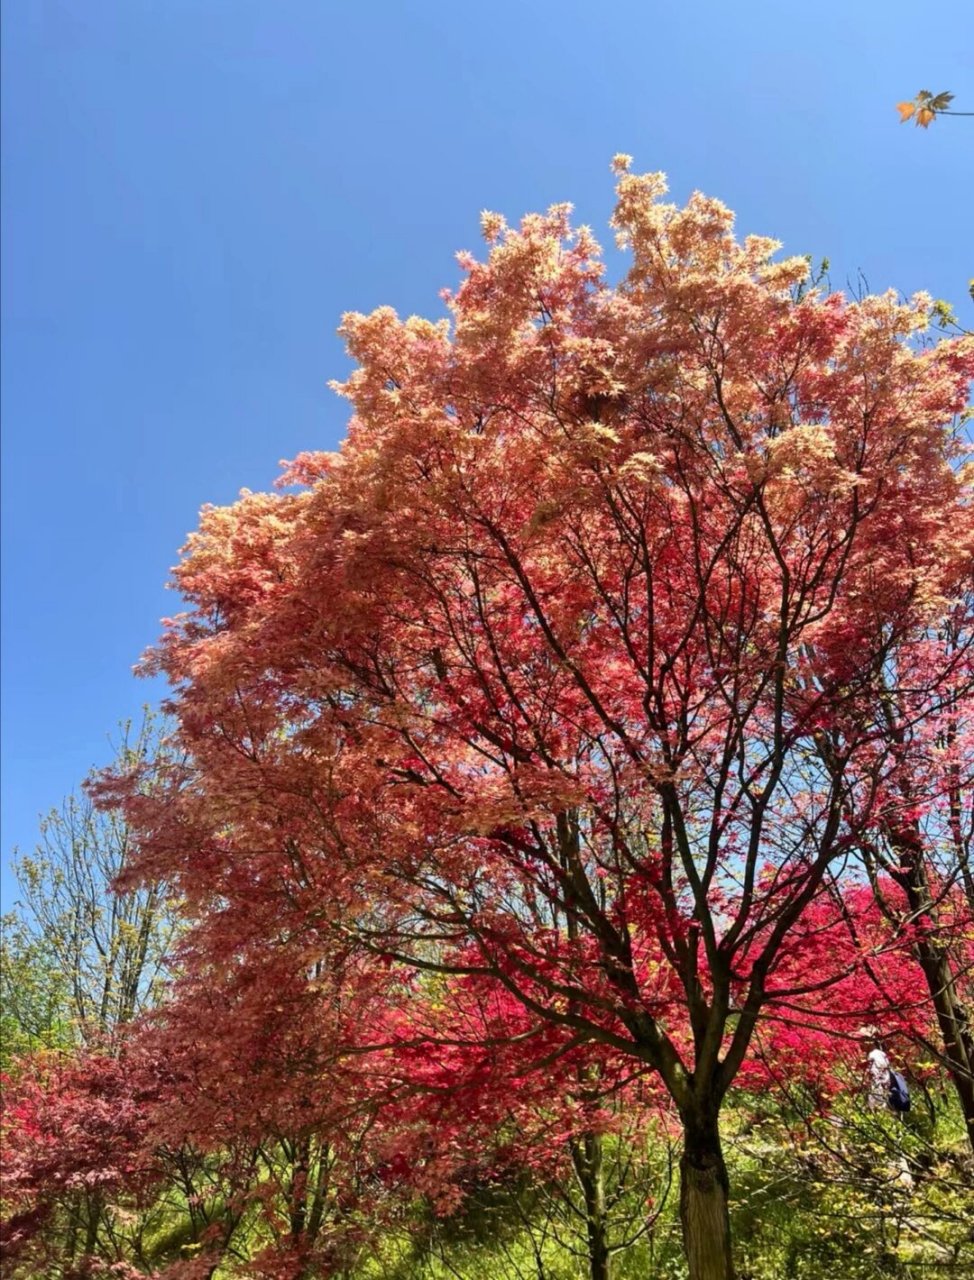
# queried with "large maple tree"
point(553, 675)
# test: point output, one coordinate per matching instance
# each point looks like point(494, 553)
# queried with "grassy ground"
point(861, 1196)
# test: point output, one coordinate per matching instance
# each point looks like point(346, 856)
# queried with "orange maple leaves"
point(925, 107)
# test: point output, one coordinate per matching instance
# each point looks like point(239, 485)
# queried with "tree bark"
point(704, 1196)
point(586, 1149)
point(587, 1161)
point(94, 1221)
point(955, 1030)
point(935, 961)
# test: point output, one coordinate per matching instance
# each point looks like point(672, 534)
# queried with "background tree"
point(79, 962)
point(99, 952)
point(919, 855)
point(33, 994)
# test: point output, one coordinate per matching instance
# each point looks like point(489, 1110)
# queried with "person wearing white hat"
point(877, 1069)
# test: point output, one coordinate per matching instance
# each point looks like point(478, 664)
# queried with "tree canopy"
point(595, 723)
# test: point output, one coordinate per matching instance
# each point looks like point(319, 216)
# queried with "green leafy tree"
point(33, 995)
point(80, 960)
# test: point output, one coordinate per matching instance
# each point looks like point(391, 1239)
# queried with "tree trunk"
point(935, 961)
point(94, 1220)
point(300, 1158)
point(703, 1198)
point(74, 1225)
point(586, 1150)
point(587, 1161)
point(955, 1030)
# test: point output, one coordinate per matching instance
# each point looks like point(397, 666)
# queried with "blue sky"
point(195, 190)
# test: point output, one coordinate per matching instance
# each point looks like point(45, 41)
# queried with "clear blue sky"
point(194, 190)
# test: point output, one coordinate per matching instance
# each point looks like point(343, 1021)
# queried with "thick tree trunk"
point(703, 1198)
point(587, 1160)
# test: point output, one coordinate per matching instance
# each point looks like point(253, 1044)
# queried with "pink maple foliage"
point(553, 676)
